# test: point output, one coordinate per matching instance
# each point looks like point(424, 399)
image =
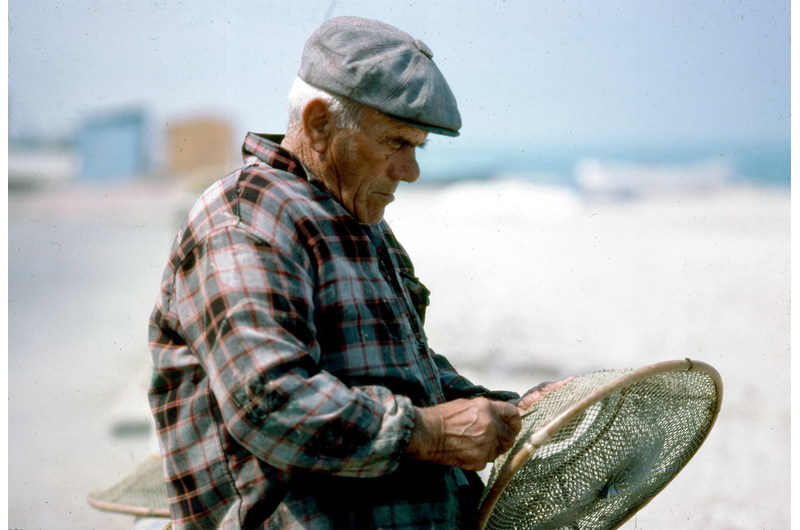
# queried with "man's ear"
point(318, 124)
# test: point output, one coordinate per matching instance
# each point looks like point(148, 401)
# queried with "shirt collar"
point(267, 148)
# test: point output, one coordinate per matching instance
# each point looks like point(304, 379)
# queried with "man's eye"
point(396, 144)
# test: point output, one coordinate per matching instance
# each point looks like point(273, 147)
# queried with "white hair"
point(347, 113)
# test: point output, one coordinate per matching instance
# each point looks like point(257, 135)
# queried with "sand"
point(529, 284)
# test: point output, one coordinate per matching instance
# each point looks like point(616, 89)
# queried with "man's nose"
point(405, 168)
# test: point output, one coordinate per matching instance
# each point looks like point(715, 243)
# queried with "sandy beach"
point(529, 283)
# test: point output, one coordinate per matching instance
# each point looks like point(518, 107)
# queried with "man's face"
point(365, 166)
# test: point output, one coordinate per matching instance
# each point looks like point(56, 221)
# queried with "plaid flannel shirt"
point(288, 350)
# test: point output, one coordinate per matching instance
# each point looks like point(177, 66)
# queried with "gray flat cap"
point(381, 67)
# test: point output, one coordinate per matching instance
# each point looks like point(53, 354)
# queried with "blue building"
point(111, 146)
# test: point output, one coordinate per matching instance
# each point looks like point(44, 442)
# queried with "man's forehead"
point(410, 134)
point(394, 129)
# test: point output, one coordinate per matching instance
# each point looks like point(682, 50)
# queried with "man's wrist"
point(424, 442)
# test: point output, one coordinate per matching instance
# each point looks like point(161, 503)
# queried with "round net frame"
point(593, 452)
point(142, 492)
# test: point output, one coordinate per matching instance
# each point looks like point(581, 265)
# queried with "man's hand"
point(536, 393)
point(465, 433)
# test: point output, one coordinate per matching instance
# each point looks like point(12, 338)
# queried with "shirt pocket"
point(417, 292)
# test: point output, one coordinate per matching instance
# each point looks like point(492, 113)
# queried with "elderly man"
point(293, 385)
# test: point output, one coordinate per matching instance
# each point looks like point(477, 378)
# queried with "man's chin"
point(372, 221)
point(373, 214)
point(372, 217)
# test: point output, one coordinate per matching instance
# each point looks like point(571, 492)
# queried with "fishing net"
point(141, 492)
point(594, 451)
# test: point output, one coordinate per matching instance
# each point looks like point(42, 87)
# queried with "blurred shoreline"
point(624, 169)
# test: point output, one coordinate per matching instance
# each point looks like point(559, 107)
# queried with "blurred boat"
point(622, 179)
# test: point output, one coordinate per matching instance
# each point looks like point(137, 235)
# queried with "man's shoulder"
point(291, 213)
point(265, 186)
point(266, 193)
point(257, 199)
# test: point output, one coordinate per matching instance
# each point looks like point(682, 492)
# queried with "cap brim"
point(425, 127)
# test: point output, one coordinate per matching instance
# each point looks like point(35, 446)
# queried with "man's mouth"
point(387, 195)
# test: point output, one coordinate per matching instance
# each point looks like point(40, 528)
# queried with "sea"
point(618, 169)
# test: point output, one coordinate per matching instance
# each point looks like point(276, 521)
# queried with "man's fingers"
point(465, 433)
point(507, 438)
point(511, 417)
point(507, 428)
point(508, 413)
point(536, 393)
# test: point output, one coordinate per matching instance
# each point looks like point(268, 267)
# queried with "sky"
point(548, 73)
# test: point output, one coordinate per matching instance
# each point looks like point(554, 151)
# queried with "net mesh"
point(141, 492)
point(612, 458)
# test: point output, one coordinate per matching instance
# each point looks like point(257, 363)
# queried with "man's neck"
point(297, 144)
